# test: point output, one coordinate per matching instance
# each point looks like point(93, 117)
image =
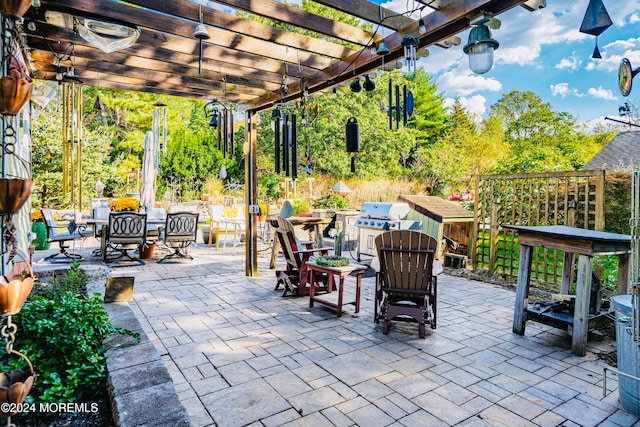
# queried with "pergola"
point(244, 62)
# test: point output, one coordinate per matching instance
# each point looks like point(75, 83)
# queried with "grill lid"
point(382, 210)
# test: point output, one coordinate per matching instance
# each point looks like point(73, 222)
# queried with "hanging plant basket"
point(14, 192)
point(15, 385)
point(14, 290)
point(15, 8)
point(14, 93)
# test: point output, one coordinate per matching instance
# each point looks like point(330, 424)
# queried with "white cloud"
point(613, 52)
point(571, 63)
point(563, 90)
point(461, 82)
point(602, 93)
point(475, 105)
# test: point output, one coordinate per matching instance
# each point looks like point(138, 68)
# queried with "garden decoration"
point(404, 109)
point(285, 143)
point(124, 204)
point(14, 385)
point(15, 84)
point(353, 140)
point(596, 20)
point(332, 261)
point(40, 229)
point(15, 8)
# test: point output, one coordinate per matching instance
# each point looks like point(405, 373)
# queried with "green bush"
point(61, 330)
point(300, 206)
point(330, 201)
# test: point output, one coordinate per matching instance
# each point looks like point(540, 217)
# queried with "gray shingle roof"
point(622, 153)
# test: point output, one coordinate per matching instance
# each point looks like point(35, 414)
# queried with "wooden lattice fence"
point(555, 198)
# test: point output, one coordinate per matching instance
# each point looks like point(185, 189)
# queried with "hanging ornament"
point(352, 137)
point(596, 20)
point(410, 43)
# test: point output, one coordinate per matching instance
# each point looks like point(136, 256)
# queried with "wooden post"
point(599, 214)
point(493, 238)
point(623, 275)
point(251, 194)
point(522, 290)
point(569, 257)
point(581, 313)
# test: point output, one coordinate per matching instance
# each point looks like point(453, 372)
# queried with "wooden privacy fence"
point(554, 198)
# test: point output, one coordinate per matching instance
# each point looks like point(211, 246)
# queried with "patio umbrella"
point(147, 191)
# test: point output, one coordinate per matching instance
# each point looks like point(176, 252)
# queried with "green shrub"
point(330, 201)
point(61, 330)
point(300, 206)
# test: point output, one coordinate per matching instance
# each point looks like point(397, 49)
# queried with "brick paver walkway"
point(239, 354)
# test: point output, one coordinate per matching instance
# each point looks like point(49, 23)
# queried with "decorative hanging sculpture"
point(596, 20)
point(352, 136)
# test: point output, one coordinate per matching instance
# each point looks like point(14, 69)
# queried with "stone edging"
point(140, 389)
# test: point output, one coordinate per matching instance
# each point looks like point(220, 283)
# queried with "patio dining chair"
point(127, 231)
point(179, 232)
point(295, 276)
point(406, 288)
point(62, 234)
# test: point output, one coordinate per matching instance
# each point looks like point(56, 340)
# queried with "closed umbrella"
point(147, 192)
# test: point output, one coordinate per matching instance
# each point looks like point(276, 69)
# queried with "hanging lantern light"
point(480, 49)
point(355, 85)
point(596, 20)
point(369, 84)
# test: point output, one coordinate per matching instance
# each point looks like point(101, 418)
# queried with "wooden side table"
point(331, 299)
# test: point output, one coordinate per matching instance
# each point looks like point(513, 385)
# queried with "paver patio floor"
point(240, 354)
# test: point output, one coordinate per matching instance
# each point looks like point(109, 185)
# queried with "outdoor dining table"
point(572, 241)
point(152, 224)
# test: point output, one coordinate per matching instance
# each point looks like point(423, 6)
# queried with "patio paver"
point(240, 354)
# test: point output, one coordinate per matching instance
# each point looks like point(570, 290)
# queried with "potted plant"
point(40, 230)
point(15, 8)
point(124, 204)
point(15, 87)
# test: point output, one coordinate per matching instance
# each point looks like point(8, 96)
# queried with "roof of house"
point(622, 153)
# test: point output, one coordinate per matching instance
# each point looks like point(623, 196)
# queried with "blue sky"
point(544, 52)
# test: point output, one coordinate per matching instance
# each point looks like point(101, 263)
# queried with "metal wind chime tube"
point(294, 148)
point(159, 129)
point(635, 253)
point(277, 143)
point(286, 133)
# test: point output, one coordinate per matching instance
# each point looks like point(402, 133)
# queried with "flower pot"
point(14, 93)
point(146, 251)
point(14, 292)
point(14, 193)
point(40, 230)
point(15, 8)
point(15, 386)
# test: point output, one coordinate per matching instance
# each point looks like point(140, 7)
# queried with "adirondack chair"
point(406, 288)
point(295, 277)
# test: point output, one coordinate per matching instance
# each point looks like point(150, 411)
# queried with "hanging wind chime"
point(285, 143)
point(352, 137)
point(596, 20)
point(159, 129)
point(221, 119)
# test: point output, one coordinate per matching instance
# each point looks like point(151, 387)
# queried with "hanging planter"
point(14, 192)
point(15, 88)
point(15, 386)
point(15, 8)
point(15, 290)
